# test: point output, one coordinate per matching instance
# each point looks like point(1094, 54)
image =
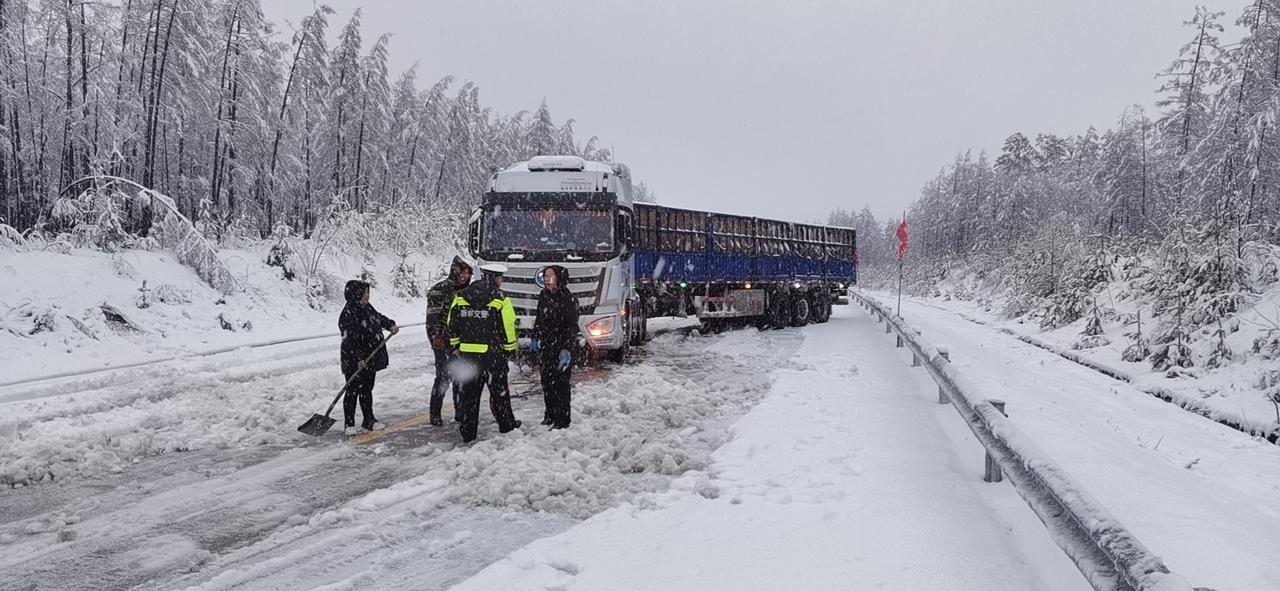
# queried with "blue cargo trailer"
point(722, 267)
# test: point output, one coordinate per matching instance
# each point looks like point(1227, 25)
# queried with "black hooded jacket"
point(557, 322)
point(361, 327)
point(440, 297)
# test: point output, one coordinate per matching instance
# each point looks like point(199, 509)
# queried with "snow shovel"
point(318, 424)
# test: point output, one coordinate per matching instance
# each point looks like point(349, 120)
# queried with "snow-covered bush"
point(1169, 355)
point(11, 240)
point(30, 318)
point(242, 231)
point(1137, 351)
point(60, 245)
point(1268, 344)
point(406, 282)
point(1019, 304)
point(1075, 295)
point(282, 255)
point(172, 294)
point(122, 267)
point(1091, 342)
point(367, 275)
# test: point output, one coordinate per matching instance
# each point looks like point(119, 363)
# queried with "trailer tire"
point(801, 312)
point(779, 315)
point(821, 308)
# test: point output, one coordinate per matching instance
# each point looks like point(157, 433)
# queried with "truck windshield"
point(548, 230)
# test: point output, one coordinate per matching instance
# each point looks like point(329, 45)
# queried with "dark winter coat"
point(481, 320)
point(556, 324)
point(440, 297)
point(361, 327)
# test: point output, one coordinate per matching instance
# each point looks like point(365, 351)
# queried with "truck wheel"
point(639, 324)
point(821, 308)
point(779, 311)
point(617, 355)
point(800, 312)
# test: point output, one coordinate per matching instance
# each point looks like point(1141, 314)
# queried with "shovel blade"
point(317, 425)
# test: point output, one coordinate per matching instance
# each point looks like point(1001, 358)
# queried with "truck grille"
point(518, 284)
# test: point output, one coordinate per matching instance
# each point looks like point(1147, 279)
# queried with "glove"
point(565, 359)
point(437, 343)
point(535, 345)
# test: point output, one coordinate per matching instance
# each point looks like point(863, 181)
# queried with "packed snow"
point(845, 476)
point(215, 458)
point(1197, 493)
point(1238, 392)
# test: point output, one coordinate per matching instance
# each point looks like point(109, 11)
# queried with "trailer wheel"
point(779, 315)
point(821, 308)
point(800, 311)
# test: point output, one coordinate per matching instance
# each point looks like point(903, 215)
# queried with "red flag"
point(902, 237)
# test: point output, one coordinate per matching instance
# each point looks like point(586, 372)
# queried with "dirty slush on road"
point(209, 486)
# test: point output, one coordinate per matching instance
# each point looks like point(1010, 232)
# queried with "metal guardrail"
point(1107, 554)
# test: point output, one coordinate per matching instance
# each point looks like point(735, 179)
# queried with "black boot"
point(515, 425)
point(436, 420)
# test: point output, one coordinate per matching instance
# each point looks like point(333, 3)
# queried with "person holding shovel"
point(361, 327)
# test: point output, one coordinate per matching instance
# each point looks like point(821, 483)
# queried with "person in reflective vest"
point(481, 326)
point(439, 298)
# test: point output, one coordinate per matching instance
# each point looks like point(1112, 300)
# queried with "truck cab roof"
point(564, 174)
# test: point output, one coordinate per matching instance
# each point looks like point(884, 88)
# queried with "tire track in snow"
point(248, 512)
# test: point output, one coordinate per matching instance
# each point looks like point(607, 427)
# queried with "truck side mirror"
point(473, 234)
point(625, 234)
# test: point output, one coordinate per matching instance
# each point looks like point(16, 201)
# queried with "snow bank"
point(1239, 390)
point(88, 309)
point(1106, 552)
point(1197, 494)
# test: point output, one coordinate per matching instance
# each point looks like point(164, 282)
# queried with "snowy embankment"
point(1238, 393)
point(87, 309)
point(1199, 495)
point(847, 475)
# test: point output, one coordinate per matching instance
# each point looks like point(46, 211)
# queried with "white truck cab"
point(567, 211)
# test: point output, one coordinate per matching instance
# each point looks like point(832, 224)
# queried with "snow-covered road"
point(1200, 495)
point(847, 476)
point(168, 479)
point(745, 460)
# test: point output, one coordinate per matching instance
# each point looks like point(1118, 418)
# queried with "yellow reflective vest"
point(481, 319)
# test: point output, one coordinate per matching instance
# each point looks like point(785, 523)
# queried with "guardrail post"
point(899, 345)
point(993, 473)
point(942, 394)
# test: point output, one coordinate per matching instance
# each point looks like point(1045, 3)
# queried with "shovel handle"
point(353, 377)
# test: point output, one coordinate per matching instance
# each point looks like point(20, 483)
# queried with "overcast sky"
point(791, 108)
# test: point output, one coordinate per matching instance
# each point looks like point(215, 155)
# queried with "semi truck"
point(629, 262)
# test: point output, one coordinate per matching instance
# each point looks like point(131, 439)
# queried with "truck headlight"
point(601, 327)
